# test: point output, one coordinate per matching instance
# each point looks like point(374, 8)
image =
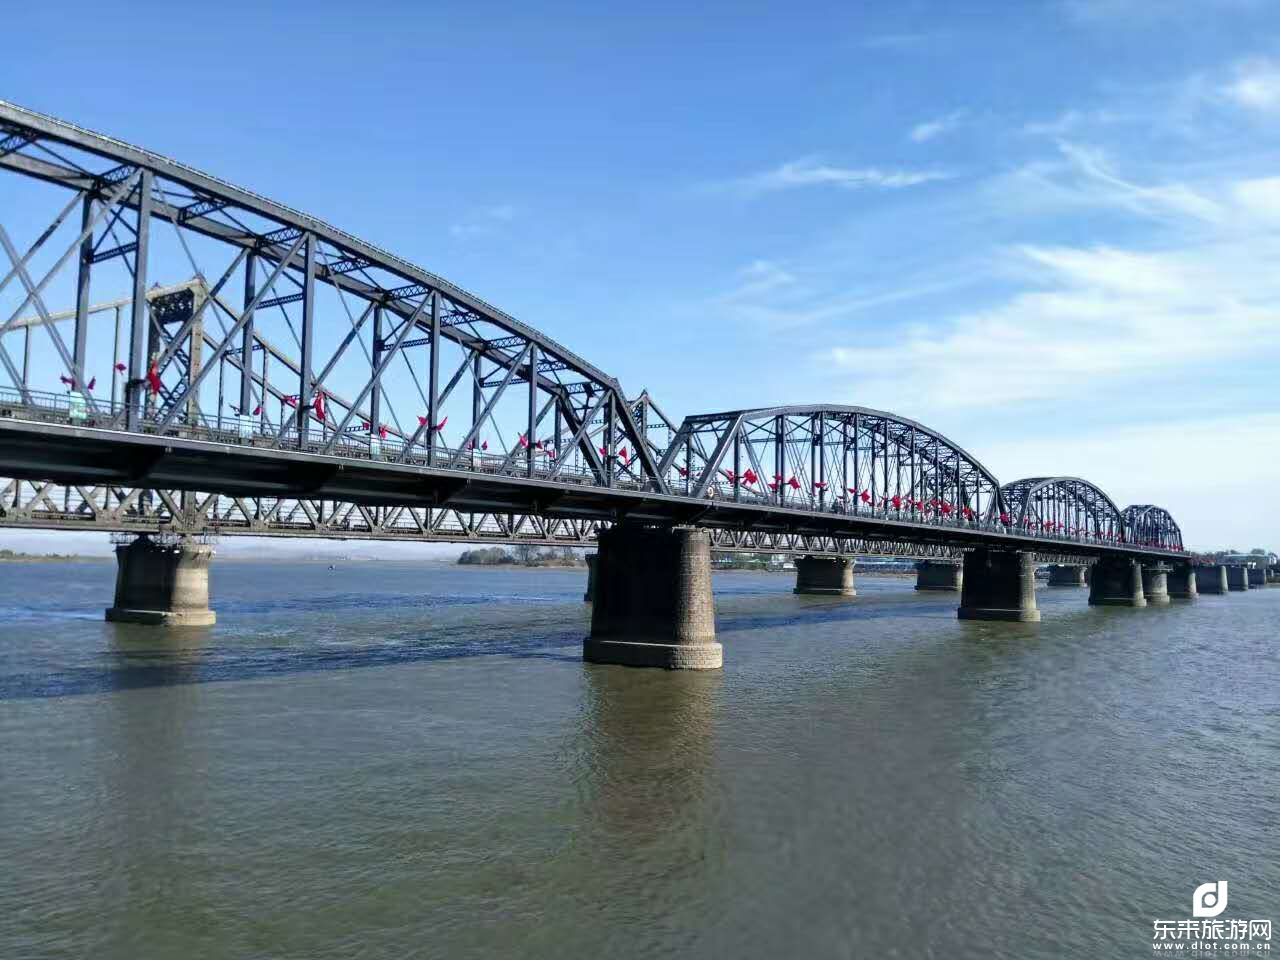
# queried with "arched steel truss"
point(517, 400)
point(293, 337)
point(1147, 525)
point(838, 459)
point(1062, 507)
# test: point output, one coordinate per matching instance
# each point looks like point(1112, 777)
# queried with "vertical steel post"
point(780, 457)
point(433, 379)
point(375, 396)
point(308, 337)
point(136, 387)
point(529, 437)
point(246, 336)
point(115, 358)
point(82, 295)
point(737, 463)
point(609, 452)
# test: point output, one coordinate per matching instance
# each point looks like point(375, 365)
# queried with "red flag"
point(257, 410)
point(866, 496)
point(68, 381)
point(120, 367)
point(382, 430)
point(524, 441)
point(153, 378)
point(773, 486)
point(422, 421)
point(819, 484)
point(682, 471)
point(946, 509)
point(1004, 518)
point(968, 514)
point(93, 382)
point(291, 400)
point(793, 483)
point(623, 454)
point(897, 502)
point(318, 405)
point(750, 476)
point(484, 444)
point(366, 426)
point(728, 475)
point(551, 453)
point(440, 426)
point(604, 451)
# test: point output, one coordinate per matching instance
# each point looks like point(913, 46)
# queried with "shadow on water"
point(139, 659)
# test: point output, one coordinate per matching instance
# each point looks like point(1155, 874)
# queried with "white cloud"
point(923, 132)
point(812, 172)
point(484, 220)
point(1255, 85)
point(1103, 11)
point(1259, 199)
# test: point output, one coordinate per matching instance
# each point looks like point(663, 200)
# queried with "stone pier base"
point(1155, 583)
point(1211, 579)
point(1257, 577)
point(1182, 582)
point(1117, 582)
point(1237, 578)
point(165, 584)
point(998, 585)
point(1066, 575)
point(825, 576)
point(939, 575)
point(652, 605)
point(591, 578)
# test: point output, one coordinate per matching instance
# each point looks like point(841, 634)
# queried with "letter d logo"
point(1209, 900)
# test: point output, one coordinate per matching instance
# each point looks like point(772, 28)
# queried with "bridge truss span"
point(1147, 525)
point(830, 458)
point(1063, 506)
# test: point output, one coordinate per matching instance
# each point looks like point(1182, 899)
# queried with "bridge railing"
point(73, 409)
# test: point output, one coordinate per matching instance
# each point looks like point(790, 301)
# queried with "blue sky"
point(1050, 230)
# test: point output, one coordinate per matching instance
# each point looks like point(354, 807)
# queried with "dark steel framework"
point(1147, 525)
point(302, 372)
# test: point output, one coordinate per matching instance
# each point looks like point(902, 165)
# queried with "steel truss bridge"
point(260, 372)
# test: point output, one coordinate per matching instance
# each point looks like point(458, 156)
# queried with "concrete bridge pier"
point(939, 575)
point(825, 576)
point(1117, 582)
point(1257, 577)
point(591, 578)
point(998, 585)
point(1182, 582)
point(652, 603)
point(1155, 582)
point(1066, 575)
point(1237, 577)
point(162, 583)
point(1211, 579)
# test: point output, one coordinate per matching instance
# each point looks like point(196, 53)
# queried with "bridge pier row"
point(591, 579)
point(1257, 577)
point(165, 584)
point(825, 576)
point(1182, 582)
point(1066, 575)
point(1211, 579)
point(1155, 582)
point(1237, 578)
point(939, 575)
point(652, 602)
point(998, 585)
point(1117, 582)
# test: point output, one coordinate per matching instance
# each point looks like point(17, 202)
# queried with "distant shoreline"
point(11, 556)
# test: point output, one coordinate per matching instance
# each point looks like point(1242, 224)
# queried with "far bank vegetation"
point(523, 555)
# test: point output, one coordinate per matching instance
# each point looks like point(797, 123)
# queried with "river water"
point(396, 760)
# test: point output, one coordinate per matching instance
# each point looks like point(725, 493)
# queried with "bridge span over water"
point(179, 354)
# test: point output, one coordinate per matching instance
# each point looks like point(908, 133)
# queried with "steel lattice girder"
point(1147, 524)
point(915, 478)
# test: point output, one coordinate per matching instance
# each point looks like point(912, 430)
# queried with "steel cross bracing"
point(44, 505)
point(164, 330)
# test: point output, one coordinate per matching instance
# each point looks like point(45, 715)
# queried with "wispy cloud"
point(484, 221)
point(813, 172)
point(1255, 85)
point(923, 132)
point(1105, 11)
